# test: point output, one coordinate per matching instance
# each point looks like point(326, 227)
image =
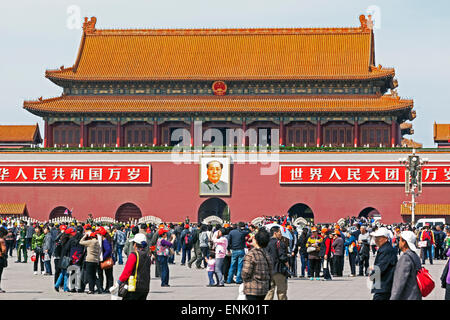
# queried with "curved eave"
point(55, 75)
point(120, 105)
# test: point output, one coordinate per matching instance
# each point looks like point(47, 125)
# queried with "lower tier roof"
point(219, 104)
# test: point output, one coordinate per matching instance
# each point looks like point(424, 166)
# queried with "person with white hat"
point(405, 286)
point(382, 272)
point(138, 266)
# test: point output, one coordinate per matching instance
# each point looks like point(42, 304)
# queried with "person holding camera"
point(257, 268)
point(278, 252)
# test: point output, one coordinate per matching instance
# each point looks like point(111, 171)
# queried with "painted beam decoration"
point(74, 173)
point(358, 174)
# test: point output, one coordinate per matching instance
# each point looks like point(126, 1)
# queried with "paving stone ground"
point(20, 283)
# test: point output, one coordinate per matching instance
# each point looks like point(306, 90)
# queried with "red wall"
point(173, 195)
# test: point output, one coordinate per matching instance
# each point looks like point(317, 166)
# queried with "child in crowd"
point(211, 269)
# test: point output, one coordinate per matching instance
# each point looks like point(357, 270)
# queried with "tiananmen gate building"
point(297, 87)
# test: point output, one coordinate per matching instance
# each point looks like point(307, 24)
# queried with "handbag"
point(310, 249)
point(3, 259)
point(107, 264)
point(424, 280)
point(444, 276)
point(423, 244)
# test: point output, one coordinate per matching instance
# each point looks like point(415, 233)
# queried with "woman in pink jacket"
point(221, 244)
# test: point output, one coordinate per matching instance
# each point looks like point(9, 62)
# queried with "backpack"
point(188, 239)
point(424, 281)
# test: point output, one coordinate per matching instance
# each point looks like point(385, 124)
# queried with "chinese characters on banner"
point(76, 174)
point(358, 174)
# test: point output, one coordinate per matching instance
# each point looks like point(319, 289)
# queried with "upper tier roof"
point(224, 54)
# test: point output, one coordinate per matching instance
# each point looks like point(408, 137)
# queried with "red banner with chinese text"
point(75, 174)
point(357, 174)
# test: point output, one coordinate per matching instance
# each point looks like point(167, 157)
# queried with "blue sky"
point(412, 37)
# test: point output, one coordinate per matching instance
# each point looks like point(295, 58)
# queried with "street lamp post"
point(413, 179)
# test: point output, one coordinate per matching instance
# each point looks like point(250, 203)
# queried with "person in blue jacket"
point(350, 243)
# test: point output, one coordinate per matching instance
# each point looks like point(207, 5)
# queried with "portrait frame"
point(206, 188)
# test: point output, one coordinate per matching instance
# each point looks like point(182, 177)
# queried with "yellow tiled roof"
point(149, 104)
point(224, 54)
point(12, 208)
point(441, 132)
point(18, 133)
point(426, 209)
point(409, 143)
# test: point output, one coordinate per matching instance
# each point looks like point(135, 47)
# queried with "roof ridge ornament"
point(366, 23)
point(89, 25)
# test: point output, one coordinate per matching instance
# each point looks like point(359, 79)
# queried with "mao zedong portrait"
point(214, 184)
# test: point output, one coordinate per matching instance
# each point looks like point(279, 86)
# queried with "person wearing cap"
point(314, 241)
point(21, 243)
point(106, 245)
point(383, 270)
point(65, 252)
point(404, 286)
point(186, 246)
point(325, 252)
point(128, 244)
point(92, 260)
point(337, 247)
point(163, 246)
point(350, 243)
point(138, 263)
point(426, 235)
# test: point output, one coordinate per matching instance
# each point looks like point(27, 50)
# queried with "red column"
point(281, 133)
point(356, 134)
point(50, 135)
point(155, 133)
point(192, 133)
point(119, 134)
point(244, 129)
point(319, 133)
point(393, 133)
point(82, 134)
point(46, 134)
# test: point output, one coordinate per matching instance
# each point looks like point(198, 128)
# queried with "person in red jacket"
point(138, 265)
point(326, 251)
point(427, 236)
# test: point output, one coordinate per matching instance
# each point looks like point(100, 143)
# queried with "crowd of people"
point(259, 257)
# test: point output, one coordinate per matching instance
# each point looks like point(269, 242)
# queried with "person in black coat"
point(278, 252)
point(382, 273)
point(302, 239)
